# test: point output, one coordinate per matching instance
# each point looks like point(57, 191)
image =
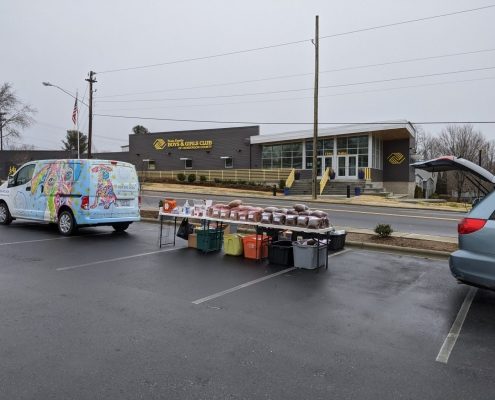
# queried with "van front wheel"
point(66, 223)
point(5, 217)
point(120, 227)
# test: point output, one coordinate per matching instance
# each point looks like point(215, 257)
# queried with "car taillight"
point(470, 225)
point(85, 202)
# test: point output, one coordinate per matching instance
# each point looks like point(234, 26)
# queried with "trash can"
point(286, 191)
point(357, 191)
point(281, 253)
point(305, 255)
point(337, 240)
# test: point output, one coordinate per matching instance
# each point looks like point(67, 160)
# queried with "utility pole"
point(1, 130)
point(316, 43)
point(91, 80)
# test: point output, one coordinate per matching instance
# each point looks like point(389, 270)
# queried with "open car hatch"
point(451, 163)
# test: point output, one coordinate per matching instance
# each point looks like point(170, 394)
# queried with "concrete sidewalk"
point(364, 200)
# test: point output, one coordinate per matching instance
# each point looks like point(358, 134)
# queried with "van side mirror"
point(10, 180)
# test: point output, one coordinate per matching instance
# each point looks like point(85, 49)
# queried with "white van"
point(72, 194)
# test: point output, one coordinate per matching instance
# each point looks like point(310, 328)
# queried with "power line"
point(290, 123)
point(407, 60)
point(302, 89)
point(302, 97)
point(299, 41)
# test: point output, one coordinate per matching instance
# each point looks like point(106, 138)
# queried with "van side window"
point(24, 175)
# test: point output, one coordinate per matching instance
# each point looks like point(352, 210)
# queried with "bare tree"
point(425, 144)
point(14, 114)
point(460, 141)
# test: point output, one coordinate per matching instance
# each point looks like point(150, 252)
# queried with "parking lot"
point(106, 315)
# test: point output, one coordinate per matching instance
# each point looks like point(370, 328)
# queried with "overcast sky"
point(60, 41)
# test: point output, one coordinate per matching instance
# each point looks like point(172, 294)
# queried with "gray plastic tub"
point(305, 255)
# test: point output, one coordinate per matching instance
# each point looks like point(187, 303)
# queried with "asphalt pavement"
point(428, 222)
point(106, 315)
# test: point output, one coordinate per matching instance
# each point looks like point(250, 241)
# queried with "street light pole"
point(316, 43)
point(91, 80)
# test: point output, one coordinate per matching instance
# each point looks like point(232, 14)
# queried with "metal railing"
point(247, 175)
point(290, 179)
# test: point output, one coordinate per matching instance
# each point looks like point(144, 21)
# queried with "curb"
point(303, 199)
point(398, 249)
point(365, 246)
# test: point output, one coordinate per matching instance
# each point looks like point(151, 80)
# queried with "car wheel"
point(66, 223)
point(5, 217)
point(121, 227)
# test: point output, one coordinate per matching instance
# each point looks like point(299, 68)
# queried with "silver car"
point(474, 262)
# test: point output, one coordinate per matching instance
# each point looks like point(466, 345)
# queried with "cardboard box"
point(192, 241)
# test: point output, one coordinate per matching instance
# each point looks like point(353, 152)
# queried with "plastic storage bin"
point(255, 247)
point(337, 240)
point(232, 244)
point(209, 240)
point(281, 253)
point(305, 255)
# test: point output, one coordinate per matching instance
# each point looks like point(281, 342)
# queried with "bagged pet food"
point(254, 216)
point(278, 218)
point(318, 213)
point(235, 203)
point(234, 214)
point(216, 212)
point(300, 207)
point(270, 209)
point(291, 220)
point(314, 222)
point(225, 213)
point(266, 218)
point(243, 215)
point(292, 212)
point(304, 213)
point(302, 221)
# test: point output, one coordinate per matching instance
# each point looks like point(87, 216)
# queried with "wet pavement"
point(103, 315)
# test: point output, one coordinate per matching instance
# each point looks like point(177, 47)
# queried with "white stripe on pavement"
point(49, 239)
point(264, 278)
point(214, 296)
point(109, 260)
point(451, 339)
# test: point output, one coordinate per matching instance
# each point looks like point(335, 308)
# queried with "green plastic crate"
point(209, 240)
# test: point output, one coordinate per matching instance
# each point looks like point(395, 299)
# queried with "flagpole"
point(76, 126)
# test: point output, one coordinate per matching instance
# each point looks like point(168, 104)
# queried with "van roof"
point(81, 160)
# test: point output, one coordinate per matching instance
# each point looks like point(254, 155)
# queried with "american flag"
point(75, 112)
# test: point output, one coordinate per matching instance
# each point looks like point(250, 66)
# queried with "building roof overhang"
point(402, 128)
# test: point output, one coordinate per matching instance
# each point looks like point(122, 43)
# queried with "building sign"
point(181, 144)
point(396, 158)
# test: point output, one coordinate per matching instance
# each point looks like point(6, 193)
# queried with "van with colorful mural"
point(72, 194)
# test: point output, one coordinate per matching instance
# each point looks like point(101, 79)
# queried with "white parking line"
point(264, 278)
point(49, 239)
point(214, 296)
point(109, 260)
point(451, 339)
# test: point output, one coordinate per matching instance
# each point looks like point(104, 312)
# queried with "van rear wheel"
point(66, 223)
point(5, 217)
point(121, 226)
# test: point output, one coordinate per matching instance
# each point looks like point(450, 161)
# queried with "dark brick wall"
point(116, 155)
point(15, 158)
point(226, 142)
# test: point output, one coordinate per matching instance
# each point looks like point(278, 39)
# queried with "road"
point(429, 222)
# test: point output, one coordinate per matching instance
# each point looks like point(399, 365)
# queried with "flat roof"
point(335, 131)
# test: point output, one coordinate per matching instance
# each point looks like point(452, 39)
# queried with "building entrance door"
point(323, 163)
point(347, 167)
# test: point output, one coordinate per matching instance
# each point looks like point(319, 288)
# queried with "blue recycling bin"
point(357, 191)
point(286, 191)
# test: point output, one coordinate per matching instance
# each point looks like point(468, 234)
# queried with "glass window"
point(229, 162)
point(363, 161)
point(188, 164)
point(151, 165)
point(266, 163)
point(24, 175)
point(342, 146)
point(287, 155)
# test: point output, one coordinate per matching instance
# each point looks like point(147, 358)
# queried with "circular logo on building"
point(396, 158)
point(159, 144)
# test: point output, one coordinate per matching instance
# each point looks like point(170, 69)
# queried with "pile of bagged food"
point(299, 215)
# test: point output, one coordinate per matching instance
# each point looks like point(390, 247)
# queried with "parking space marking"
point(244, 285)
point(49, 239)
point(455, 330)
point(235, 288)
point(109, 260)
